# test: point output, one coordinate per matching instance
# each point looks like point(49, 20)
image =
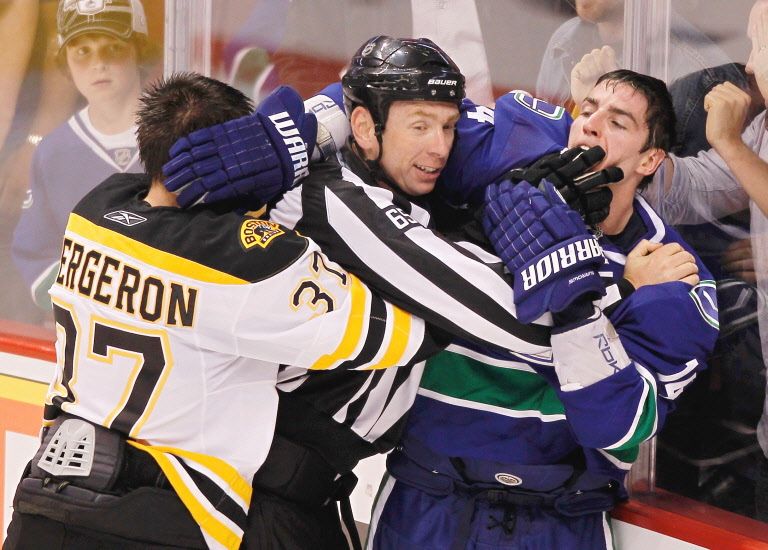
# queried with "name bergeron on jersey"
point(109, 281)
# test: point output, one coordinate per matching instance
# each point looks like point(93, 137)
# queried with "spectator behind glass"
point(36, 97)
point(601, 23)
point(278, 42)
point(726, 179)
point(102, 49)
point(712, 436)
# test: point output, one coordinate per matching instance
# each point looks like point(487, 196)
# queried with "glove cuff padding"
point(587, 351)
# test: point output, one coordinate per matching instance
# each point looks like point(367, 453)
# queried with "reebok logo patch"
point(125, 218)
point(255, 232)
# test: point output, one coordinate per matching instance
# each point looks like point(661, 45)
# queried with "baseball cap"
point(119, 18)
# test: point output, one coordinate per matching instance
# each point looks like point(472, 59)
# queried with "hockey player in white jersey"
point(172, 325)
point(103, 47)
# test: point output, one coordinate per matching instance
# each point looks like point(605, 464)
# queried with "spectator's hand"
point(591, 67)
point(738, 261)
point(726, 106)
point(655, 263)
point(759, 55)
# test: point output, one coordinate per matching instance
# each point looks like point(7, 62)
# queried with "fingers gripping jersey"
point(171, 325)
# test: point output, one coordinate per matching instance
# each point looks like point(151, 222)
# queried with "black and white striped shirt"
point(383, 237)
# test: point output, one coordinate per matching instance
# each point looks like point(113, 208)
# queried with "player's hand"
point(253, 158)
point(652, 263)
point(726, 105)
point(545, 245)
point(592, 66)
point(569, 171)
point(738, 261)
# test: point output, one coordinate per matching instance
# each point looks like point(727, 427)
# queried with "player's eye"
point(617, 124)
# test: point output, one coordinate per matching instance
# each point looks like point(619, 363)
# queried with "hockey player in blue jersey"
point(545, 435)
point(103, 48)
point(515, 453)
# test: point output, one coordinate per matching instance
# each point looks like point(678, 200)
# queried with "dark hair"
point(660, 116)
point(173, 107)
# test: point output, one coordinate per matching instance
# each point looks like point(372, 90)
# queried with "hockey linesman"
point(403, 97)
point(171, 326)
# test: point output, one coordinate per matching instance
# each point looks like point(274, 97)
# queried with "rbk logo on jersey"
point(255, 232)
point(124, 217)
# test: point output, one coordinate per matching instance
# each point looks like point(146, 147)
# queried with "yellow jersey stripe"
point(224, 470)
point(398, 340)
point(149, 255)
point(207, 521)
point(354, 330)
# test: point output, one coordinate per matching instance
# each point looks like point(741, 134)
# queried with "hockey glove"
point(254, 158)
point(568, 171)
point(545, 245)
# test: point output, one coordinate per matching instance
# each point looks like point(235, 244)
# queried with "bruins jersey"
point(171, 326)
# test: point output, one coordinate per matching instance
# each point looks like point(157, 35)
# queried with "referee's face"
point(416, 141)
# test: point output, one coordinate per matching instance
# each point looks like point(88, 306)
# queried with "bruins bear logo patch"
point(255, 232)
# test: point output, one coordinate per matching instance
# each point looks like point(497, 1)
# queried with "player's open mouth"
point(427, 169)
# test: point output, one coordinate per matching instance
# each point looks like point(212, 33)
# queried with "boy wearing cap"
point(102, 46)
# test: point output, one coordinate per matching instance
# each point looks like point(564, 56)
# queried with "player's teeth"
point(427, 170)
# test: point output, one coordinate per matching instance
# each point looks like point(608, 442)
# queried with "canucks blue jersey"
point(487, 409)
point(68, 162)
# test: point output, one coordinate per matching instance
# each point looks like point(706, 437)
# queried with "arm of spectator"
point(591, 67)
point(727, 107)
point(693, 190)
point(55, 104)
point(738, 261)
point(18, 20)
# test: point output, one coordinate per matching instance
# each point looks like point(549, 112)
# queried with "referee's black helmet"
point(387, 69)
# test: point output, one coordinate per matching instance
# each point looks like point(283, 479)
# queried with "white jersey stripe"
point(532, 413)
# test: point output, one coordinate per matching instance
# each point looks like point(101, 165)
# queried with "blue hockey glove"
point(254, 158)
point(545, 245)
point(569, 171)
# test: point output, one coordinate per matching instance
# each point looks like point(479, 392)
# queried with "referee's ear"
point(364, 132)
